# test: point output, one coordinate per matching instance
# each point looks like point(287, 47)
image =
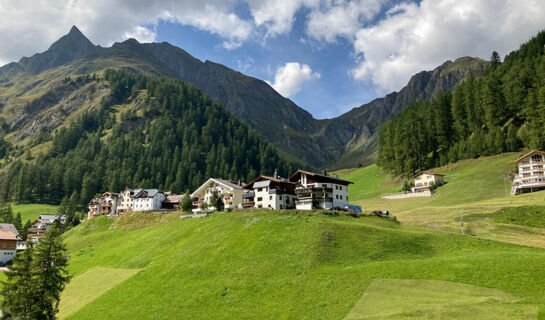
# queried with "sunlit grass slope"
point(32, 211)
point(475, 188)
point(282, 265)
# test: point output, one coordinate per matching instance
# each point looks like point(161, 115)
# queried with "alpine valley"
point(36, 98)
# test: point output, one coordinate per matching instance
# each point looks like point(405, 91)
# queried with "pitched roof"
point(428, 172)
point(49, 218)
point(147, 193)
point(234, 185)
point(529, 154)
point(250, 185)
point(173, 199)
point(9, 227)
point(8, 235)
point(320, 176)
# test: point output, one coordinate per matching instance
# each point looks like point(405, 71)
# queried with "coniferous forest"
point(502, 111)
point(171, 137)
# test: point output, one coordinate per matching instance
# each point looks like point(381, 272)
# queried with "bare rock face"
point(277, 119)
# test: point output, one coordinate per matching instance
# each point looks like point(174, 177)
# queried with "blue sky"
point(328, 56)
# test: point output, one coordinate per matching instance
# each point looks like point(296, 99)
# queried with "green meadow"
point(292, 265)
point(320, 265)
point(475, 190)
point(32, 211)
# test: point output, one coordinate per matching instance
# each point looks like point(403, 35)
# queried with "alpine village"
point(139, 182)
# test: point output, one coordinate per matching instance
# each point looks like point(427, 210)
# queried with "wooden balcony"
point(248, 205)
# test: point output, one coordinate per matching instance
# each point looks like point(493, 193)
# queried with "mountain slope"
point(294, 131)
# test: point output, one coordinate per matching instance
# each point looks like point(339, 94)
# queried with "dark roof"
point(277, 180)
point(147, 193)
point(322, 177)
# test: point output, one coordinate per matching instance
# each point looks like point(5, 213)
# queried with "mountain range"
point(36, 99)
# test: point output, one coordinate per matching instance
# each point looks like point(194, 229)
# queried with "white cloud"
point(413, 37)
point(142, 34)
point(290, 77)
point(409, 38)
point(26, 26)
point(341, 18)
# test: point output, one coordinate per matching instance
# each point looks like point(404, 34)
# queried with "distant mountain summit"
point(345, 141)
point(68, 48)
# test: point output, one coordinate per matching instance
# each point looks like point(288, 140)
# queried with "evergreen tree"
point(187, 202)
point(18, 222)
point(19, 289)
point(49, 264)
point(216, 201)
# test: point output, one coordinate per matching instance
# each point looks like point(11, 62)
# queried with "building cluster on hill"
point(41, 225)
point(303, 190)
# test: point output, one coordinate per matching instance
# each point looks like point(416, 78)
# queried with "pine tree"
point(19, 291)
point(216, 201)
point(187, 203)
point(18, 222)
point(49, 263)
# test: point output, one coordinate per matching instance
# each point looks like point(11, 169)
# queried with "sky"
point(328, 56)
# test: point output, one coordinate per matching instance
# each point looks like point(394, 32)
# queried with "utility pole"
point(462, 220)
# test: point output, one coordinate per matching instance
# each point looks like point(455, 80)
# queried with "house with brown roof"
point(269, 192)
point(230, 192)
point(531, 173)
point(8, 246)
point(172, 201)
point(319, 191)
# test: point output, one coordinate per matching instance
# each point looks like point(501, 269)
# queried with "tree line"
point(504, 110)
point(148, 132)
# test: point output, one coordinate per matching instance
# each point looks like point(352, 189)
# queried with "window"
point(280, 197)
point(259, 189)
point(336, 187)
point(336, 196)
point(281, 207)
point(270, 197)
point(259, 199)
point(340, 197)
point(324, 185)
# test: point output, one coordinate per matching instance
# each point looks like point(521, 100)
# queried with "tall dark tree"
point(50, 275)
point(19, 289)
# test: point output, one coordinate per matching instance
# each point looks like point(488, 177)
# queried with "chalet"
point(269, 192)
point(126, 200)
point(425, 181)
point(21, 244)
point(230, 191)
point(8, 246)
point(531, 173)
point(148, 200)
point(40, 226)
point(172, 201)
point(319, 191)
point(93, 208)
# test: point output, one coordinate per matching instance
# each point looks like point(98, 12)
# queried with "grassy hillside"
point(475, 189)
point(281, 265)
point(32, 211)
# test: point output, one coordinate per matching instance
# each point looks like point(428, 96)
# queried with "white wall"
point(6, 256)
